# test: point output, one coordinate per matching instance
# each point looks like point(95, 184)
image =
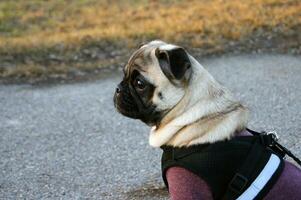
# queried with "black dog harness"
point(245, 167)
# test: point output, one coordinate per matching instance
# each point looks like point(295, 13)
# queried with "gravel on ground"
point(67, 141)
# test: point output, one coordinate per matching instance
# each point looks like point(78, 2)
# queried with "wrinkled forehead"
point(142, 57)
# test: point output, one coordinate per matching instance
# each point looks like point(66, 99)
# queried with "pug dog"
point(168, 89)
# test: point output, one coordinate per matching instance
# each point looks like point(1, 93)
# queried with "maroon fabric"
point(183, 184)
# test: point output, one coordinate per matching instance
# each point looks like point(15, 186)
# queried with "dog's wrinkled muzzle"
point(124, 102)
point(129, 103)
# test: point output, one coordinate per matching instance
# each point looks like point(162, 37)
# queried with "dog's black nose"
point(118, 89)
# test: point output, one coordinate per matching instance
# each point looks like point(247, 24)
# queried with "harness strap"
point(263, 180)
point(248, 181)
point(242, 177)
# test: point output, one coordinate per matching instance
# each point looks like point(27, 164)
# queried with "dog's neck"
point(207, 113)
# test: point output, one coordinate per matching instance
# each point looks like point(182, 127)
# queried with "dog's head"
point(154, 81)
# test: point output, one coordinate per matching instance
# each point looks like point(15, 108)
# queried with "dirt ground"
point(60, 41)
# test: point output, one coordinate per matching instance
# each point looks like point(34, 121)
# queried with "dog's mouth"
point(125, 107)
point(148, 115)
point(128, 103)
point(127, 113)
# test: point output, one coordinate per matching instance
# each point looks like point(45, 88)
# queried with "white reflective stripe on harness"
point(262, 179)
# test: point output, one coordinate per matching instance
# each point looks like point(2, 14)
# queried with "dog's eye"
point(139, 84)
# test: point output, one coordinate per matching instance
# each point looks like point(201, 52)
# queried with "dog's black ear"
point(175, 64)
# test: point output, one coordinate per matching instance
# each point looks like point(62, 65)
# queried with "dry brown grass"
point(50, 23)
point(30, 26)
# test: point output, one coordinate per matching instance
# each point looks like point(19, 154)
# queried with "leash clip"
point(269, 138)
point(274, 135)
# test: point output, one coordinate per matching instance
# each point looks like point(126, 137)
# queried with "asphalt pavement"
point(68, 142)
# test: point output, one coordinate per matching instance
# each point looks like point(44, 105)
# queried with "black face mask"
point(146, 113)
point(136, 104)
